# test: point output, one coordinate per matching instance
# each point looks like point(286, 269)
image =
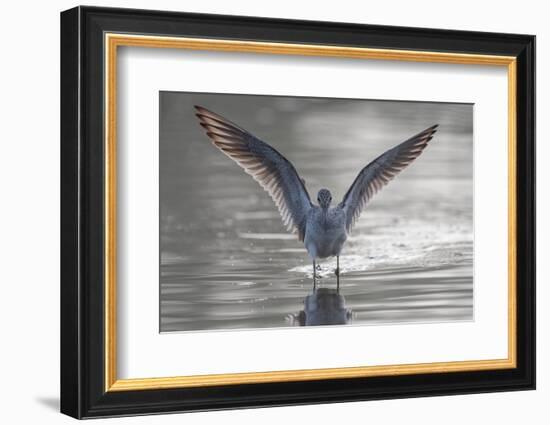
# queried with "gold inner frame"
point(113, 41)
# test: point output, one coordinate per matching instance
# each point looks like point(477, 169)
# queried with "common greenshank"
point(323, 229)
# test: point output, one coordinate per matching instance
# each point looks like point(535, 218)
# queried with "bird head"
point(324, 198)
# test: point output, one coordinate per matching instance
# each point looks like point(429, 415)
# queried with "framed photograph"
point(261, 212)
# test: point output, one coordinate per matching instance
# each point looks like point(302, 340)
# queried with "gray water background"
point(227, 261)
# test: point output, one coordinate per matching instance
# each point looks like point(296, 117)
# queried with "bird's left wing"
point(380, 172)
point(268, 167)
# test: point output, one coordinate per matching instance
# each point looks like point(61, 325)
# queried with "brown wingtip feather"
point(204, 114)
point(432, 129)
point(424, 137)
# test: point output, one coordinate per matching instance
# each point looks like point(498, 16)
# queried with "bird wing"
point(268, 167)
point(380, 172)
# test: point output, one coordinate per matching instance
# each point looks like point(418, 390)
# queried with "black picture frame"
point(83, 392)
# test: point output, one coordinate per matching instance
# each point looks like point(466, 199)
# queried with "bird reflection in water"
point(324, 306)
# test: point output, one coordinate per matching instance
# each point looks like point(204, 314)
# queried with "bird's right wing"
point(380, 172)
point(268, 167)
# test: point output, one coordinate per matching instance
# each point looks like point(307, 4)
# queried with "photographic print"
point(292, 211)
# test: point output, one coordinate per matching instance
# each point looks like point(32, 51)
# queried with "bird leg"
point(337, 273)
point(314, 275)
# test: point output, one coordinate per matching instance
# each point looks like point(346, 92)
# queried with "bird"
point(322, 229)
